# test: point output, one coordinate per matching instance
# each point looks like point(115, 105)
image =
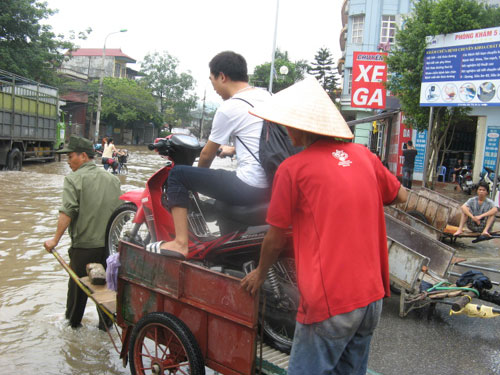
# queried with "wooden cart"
point(416, 258)
point(177, 317)
point(434, 209)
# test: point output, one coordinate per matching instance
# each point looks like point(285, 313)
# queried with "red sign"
point(399, 136)
point(369, 72)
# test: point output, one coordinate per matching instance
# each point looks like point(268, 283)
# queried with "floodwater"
point(34, 336)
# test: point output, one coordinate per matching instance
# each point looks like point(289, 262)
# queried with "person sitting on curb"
point(479, 212)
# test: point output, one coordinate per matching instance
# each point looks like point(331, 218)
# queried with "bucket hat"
point(305, 106)
point(78, 144)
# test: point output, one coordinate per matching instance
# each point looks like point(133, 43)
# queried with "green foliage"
point(27, 47)
point(405, 61)
point(125, 102)
point(323, 68)
point(296, 71)
point(172, 88)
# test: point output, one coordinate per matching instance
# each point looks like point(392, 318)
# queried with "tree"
point(172, 89)
point(323, 68)
point(125, 102)
point(296, 71)
point(405, 63)
point(28, 48)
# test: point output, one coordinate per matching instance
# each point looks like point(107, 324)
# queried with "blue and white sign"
point(420, 142)
point(491, 146)
point(462, 69)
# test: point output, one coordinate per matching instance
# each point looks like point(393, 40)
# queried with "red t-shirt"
point(332, 194)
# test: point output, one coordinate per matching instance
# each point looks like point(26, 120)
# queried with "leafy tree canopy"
point(405, 61)
point(296, 71)
point(27, 47)
point(173, 89)
point(323, 68)
point(125, 102)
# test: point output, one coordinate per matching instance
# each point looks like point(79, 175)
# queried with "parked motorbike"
point(488, 176)
point(464, 179)
point(232, 246)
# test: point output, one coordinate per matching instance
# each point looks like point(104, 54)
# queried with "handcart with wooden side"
point(421, 267)
point(177, 317)
point(434, 209)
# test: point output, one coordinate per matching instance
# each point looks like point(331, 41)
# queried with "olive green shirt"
point(90, 195)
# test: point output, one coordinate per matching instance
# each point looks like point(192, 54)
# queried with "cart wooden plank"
point(101, 295)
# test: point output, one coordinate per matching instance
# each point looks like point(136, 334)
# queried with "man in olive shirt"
point(90, 195)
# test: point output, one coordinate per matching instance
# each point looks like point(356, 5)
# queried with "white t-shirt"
point(232, 119)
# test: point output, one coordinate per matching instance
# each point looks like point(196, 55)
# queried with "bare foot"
point(486, 234)
point(458, 232)
point(175, 246)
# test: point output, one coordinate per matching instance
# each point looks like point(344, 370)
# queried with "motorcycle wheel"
point(121, 227)
point(280, 312)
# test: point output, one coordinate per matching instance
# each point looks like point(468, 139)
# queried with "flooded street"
point(34, 337)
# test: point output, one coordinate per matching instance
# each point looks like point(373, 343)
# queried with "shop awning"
point(369, 119)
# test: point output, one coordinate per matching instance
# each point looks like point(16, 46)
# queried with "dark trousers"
point(407, 177)
point(77, 299)
point(215, 183)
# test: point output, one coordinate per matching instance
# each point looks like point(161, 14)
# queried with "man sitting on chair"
point(479, 212)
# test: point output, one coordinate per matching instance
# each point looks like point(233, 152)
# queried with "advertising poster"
point(369, 72)
point(491, 146)
point(462, 69)
point(399, 136)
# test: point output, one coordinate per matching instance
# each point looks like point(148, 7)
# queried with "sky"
point(194, 31)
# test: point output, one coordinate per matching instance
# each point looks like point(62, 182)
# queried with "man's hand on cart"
point(252, 282)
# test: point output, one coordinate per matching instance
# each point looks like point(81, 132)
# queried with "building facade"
point(370, 26)
point(86, 65)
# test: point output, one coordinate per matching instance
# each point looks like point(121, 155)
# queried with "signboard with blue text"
point(491, 146)
point(420, 141)
point(462, 69)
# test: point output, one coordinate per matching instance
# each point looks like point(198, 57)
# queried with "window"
point(358, 23)
point(388, 29)
point(349, 80)
point(117, 70)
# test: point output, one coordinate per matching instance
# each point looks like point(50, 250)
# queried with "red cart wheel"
point(162, 344)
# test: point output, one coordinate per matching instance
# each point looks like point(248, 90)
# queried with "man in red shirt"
point(332, 195)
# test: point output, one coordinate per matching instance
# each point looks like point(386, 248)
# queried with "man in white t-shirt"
point(248, 185)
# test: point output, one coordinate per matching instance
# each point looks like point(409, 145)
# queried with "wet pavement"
point(443, 345)
point(34, 337)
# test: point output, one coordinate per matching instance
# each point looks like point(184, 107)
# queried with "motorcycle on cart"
point(222, 238)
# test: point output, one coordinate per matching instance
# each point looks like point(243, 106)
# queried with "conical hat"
point(305, 106)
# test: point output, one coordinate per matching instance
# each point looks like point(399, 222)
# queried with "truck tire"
point(14, 160)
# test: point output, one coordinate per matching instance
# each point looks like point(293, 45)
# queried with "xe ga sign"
point(369, 72)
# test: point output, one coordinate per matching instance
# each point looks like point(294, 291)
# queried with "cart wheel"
point(162, 344)
point(418, 215)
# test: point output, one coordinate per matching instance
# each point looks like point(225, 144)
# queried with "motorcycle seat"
point(250, 215)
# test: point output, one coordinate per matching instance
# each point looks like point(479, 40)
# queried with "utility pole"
point(99, 94)
point(271, 75)
point(202, 114)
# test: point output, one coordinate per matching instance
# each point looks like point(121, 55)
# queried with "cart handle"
point(76, 279)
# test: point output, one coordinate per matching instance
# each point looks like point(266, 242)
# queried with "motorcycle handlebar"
point(162, 146)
